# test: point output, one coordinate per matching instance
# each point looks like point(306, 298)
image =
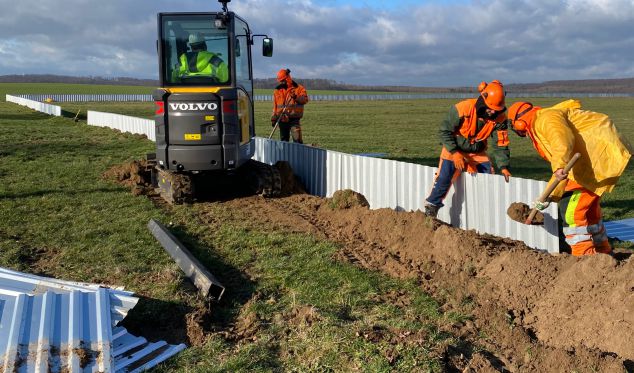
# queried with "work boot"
point(431, 210)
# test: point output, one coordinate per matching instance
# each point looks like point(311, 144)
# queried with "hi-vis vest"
point(203, 63)
point(564, 129)
point(294, 108)
point(469, 124)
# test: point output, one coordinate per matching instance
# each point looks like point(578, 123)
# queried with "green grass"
point(59, 218)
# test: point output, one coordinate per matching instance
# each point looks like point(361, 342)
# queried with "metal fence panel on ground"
point(35, 105)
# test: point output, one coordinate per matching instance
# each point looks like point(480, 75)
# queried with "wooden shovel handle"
point(550, 187)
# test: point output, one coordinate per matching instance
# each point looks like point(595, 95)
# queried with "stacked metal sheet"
point(48, 325)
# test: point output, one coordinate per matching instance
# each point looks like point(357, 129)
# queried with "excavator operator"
point(464, 134)
point(201, 63)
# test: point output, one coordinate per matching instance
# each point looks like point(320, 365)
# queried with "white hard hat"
point(196, 38)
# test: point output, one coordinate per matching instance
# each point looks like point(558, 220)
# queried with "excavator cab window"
point(195, 51)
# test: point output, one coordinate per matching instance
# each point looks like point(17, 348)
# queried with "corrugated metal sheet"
point(67, 327)
point(121, 301)
point(476, 202)
point(122, 123)
point(621, 229)
point(35, 105)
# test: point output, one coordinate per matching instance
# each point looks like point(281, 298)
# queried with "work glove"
point(506, 173)
point(458, 161)
point(284, 118)
point(539, 205)
point(273, 122)
point(292, 94)
point(471, 169)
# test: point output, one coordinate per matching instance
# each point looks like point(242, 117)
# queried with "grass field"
point(58, 217)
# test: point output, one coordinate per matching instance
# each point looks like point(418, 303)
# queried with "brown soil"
point(519, 212)
point(134, 175)
point(532, 311)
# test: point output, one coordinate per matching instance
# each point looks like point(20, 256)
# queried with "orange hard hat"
point(516, 112)
point(283, 74)
point(493, 94)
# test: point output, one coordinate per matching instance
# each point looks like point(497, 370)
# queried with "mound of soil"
point(519, 212)
point(345, 199)
point(134, 175)
point(531, 311)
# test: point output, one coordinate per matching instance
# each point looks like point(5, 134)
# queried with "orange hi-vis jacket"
point(564, 129)
point(282, 98)
point(463, 131)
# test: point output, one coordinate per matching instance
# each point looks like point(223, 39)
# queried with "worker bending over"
point(289, 98)
point(557, 133)
point(464, 134)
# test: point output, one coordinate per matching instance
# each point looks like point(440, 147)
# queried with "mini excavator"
point(204, 118)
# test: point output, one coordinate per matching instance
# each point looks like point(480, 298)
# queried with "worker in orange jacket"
point(557, 133)
point(464, 135)
point(289, 98)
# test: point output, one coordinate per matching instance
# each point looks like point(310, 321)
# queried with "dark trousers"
point(447, 173)
point(288, 129)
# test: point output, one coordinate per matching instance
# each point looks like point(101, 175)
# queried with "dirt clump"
point(347, 198)
point(530, 311)
point(135, 175)
point(519, 212)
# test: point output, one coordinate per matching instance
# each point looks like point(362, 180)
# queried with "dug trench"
point(529, 310)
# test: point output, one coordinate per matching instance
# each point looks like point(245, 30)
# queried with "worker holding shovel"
point(289, 98)
point(557, 133)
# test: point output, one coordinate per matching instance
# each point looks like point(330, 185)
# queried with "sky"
point(440, 43)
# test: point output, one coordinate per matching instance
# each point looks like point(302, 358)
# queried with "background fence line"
point(313, 97)
point(35, 105)
point(475, 202)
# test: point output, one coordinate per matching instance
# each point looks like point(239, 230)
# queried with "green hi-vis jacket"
point(203, 63)
point(462, 130)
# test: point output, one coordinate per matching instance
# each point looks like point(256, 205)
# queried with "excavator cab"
point(204, 114)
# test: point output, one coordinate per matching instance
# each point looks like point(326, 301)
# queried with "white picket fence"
point(477, 202)
point(35, 105)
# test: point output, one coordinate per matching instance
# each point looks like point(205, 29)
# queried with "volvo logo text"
point(200, 106)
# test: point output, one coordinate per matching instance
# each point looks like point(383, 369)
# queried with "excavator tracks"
point(175, 188)
point(252, 178)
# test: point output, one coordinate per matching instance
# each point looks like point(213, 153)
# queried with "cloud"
point(417, 43)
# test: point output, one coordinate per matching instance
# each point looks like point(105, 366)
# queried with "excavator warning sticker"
point(193, 136)
point(210, 118)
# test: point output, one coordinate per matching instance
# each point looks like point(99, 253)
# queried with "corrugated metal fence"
point(35, 105)
point(476, 202)
point(313, 97)
point(122, 123)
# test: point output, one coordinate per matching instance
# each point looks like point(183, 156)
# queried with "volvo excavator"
point(204, 118)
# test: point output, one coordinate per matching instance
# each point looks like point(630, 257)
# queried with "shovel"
point(277, 122)
point(550, 187)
